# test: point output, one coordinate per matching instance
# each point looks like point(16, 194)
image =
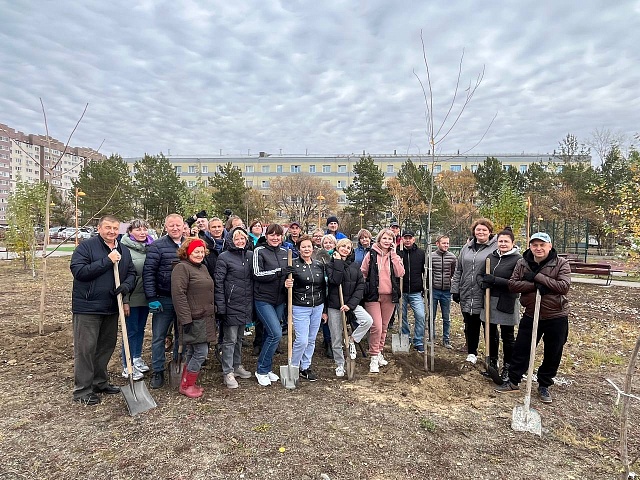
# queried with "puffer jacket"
point(503, 301)
point(554, 273)
point(309, 285)
point(138, 252)
point(192, 295)
point(413, 261)
point(234, 286)
point(346, 273)
point(269, 266)
point(443, 266)
point(470, 264)
point(162, 255)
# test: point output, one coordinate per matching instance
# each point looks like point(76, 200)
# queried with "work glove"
point(155, 306)
point(122, 289)
point(488, 279)
point(543, 289)
point(186, 328)
point(529, 276)
point(455, 297)
point(290, 270)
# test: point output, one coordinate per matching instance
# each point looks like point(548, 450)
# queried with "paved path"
point(601, 282)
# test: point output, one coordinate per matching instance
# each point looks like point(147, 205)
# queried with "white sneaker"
point(381, 361)
point(230, 381)
point(263, 380)
point(340, 371)
point(241, 372)
point(137, 374)
point(140, 365)
point(273, 377)
point(352, 350)
point(471, 358)
point(373, 365)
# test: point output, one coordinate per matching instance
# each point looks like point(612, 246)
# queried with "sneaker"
point(230, 381)
point(381, 361)
point(273, 377)
point(247, 333)
point(447, 345)
point(308, 374)
point(157, 380)
point(241, 372)
point(471, 358)
point(545, 396)
point(374, 365)
point(137, 374)
point(420, 348)
point(507, 387)
point(140, 365)
point(263, 379)
point(88, 399)
point(352, 349)
point(340, 371)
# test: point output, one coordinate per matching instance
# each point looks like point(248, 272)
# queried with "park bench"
point(597, 269)
point(571, 257)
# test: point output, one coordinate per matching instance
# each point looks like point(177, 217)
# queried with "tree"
point(197, 197)
point(407, 206)
point(507, 209)
point(297, 196)
point(489, 178)
point(159, 189)
point(629, 206)
point(603, 140)
point(228, 190)
point(62, 209)
point(259, 205)
point(367, 193)
point(570, 151)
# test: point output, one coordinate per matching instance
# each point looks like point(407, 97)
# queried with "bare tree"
point(602, 140)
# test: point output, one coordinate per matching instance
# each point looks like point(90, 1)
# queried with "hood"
point(230, 245)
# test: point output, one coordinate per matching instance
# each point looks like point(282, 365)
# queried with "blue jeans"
point(160, 324)
point(444, 298)
point(306, 323)
point(270, 316)
point(136, 323)
point(196, 354)
point(416, 301)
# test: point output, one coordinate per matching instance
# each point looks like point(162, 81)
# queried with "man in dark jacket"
point(95, 308)
point(413, 288)
point(540, 269)
point(156, 280)
point(443, 264)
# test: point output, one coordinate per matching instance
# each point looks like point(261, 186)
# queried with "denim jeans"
point(232, 347)
point(136, 323)
point(196, 355)
point(444, 298)
point(416, 301)
point(306, 323)
point(270, 316)
point(160, 324)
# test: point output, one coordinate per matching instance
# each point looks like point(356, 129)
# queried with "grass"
point(428, 424)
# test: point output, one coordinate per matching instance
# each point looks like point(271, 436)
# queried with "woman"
point(316, 238)
point(503, 309)
point(192, 294)
point(465, 289)
point(255, 232)
point(343, 271)
point(234, 303)
point(364, 245)
point(324, 254)
point(382, 292)
point(309, 289)
point(269, 273)
point(136, 310)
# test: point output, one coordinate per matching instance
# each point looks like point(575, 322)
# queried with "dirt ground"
point(402, 423)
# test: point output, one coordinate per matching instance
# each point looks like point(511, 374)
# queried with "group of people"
point(206, 281)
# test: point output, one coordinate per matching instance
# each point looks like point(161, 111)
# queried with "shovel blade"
point(175, 372)
point(138, 398)
point(289, 376)
point(526, 420)
point(400, 343)
point(351, 369)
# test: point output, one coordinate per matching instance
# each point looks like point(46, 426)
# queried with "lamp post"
point(79, 193)
point(361, 217)
point(540, 219)
point(320, 199)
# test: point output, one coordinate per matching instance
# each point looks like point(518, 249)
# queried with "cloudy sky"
point(196, 77)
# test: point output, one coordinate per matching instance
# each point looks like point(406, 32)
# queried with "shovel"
point(400, 341)
point(349, 362)
point(289, 375)
point(136, 395)
point(524, 418)
point(176, 365)
point(491, 370)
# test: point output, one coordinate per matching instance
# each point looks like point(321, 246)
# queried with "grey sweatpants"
point(335, 326)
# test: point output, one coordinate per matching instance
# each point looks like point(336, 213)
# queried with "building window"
point(341, 184)
point(266, 169)
point(248, 169)
point(506, 167)
point(312, 169)
point(456, 168)
point(249, 183)
point(295, 168)
point(389, 168)
point(523, 169)
point(474, 168)
point(265, 184)
point(191, 183)
point(278, 168)
point(192, 169)
point(326, 168)
point(205, 169)
point(178, 169)
point(342, 199)
point(342, 169)
point(437, 169)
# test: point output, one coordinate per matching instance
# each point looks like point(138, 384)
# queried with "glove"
point(544, 290)
point(290, 270)
point(155, 307)
point(186, 328)
point(220, 317)
point(484, 285)
point(455, 297)
point(529, 276)
point(488, 279)
point(122, 289)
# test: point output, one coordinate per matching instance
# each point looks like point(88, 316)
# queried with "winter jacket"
point(443, 265)
point(290, 244)
point(211, 257)
point(309, 285)
point(234, 286)
point(336, 234)
point(138, 250)
point(413, 261)
point(503, 301)
point(192, 295)
point(470, 264)
point(360, 252)
point(253, 240)
point(346, 273)
point(269, 266)
point(377, 264)
point(554, 273)
point(93, 277)
point(162, 255)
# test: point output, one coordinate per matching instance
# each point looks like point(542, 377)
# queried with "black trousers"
point(508, 340)
point(472, 326)
point(554, 333)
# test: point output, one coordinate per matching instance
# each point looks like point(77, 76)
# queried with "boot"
point(505, 373)
point(328, 351)
point(184, 370)
point(493, 363)
point(188, 384)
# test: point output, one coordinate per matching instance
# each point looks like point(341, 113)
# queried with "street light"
point(540, 219)
point(320, 199)
point(361, 217)
point(79, 193)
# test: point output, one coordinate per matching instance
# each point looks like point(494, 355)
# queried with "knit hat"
point(195, 244)
point(332, 219)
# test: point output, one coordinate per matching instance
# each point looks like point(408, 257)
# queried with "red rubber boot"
point(187, 385)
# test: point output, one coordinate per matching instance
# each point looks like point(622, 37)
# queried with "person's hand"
point(114, 256)
point(187, 327)
point(288, 283)
point(290, 270)
point(122, 289)
point(325, 317)
point(155, 306)
point(543, 289)
point(344, 308)
point(455, 297)
point(337, 256)
point(127, 309)
point(529, 276)
point(488, 279)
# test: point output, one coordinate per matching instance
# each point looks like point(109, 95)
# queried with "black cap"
point(408, 233)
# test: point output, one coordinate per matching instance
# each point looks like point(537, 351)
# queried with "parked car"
point(70, 232)
point(55, 232)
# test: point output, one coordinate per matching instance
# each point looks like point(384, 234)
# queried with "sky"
point(187, 77)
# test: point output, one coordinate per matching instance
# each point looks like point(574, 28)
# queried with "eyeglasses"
point(317, 236)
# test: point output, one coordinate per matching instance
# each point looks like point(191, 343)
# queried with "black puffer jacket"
point(269, 266)
point(156, 273)
point(93, 279)
point(234, 286)
point(502, 268)
point(309, 285)
point(413, 261)
point(346, 273)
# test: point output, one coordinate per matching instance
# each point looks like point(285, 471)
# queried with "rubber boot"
point(187, 384)
point(182, 380)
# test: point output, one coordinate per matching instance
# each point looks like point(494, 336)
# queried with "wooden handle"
point(123, 322)
point(344, 320)
point(487, 307)
point(289, 309)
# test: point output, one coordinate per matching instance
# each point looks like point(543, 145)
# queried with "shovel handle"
point(289, 309)
point(123, 326)
point(532, 351)
point(487, 309)
point(344, 320)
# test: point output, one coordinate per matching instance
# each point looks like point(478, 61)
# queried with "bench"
point(571, 257)
point(597, 269)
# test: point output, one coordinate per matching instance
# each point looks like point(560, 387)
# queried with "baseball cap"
point(540, 236)
point(408, 233)
point(394, 224)
point(294, 223)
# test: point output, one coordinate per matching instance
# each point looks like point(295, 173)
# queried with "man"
point(395, 228)
point(332, 228)
point(291, 240)
point(156, 281)
point(443, 264)
point(413, 289)
point(95, 308)
point(540, 269)
point(216, 228)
